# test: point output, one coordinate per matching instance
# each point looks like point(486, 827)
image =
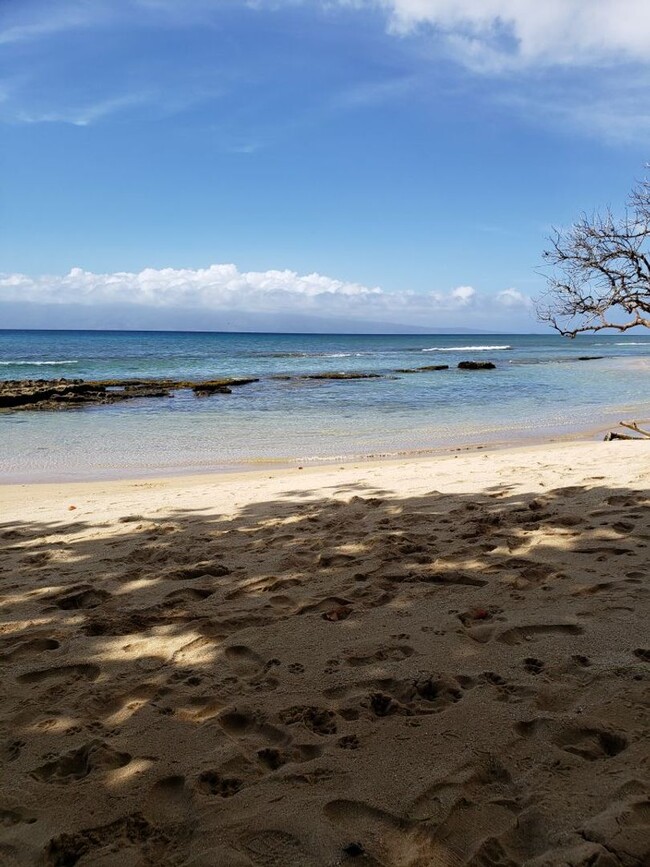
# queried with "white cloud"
point(494, 34)
point(463, 294)
point(513, 298)
point(225, 288)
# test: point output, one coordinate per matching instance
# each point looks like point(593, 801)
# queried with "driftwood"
point(612, 435)
point(630, 425)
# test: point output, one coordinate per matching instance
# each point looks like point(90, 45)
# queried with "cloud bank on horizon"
point(223, 288)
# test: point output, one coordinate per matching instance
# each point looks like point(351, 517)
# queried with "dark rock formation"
point(217, 386)
point(590, 357)
point(422, 369)
point(341, 376)
point(46, 394)
point(476, 365)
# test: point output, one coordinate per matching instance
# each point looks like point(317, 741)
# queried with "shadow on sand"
point(440, 680)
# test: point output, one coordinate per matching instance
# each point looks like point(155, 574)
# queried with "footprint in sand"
point(533, 665)
point(389, 653)
point(61, 674)
point(81, 597)
point(520, 634)
point(383, 838)
point(382, 697)
point(623, 830)
point(16, 815)
point(470, 814)
point(243, 660)
point(319, 720)
point(505, 690)
point(116, 709)
point(30, 648)
point(77, 764)
point(261, 749)
point(329, 603)
point(169, 801)
point(213, 783)
point(129, 835)
point(252, 727)
point(274, 848)
point(205, 569)
point(588, 742)
point(187, 595)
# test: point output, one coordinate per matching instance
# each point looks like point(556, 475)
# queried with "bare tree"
point(601, 271)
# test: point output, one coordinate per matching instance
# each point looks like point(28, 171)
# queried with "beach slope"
point(440, 661)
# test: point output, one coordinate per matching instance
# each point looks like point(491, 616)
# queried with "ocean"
point(539, 390)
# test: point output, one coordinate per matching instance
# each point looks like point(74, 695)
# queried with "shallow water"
point(539, 389)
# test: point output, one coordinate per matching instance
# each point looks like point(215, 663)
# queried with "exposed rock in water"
point(216, 386)
point(341, 376)
point(211, 389)
point(476, 365)
point(424, 369)
point(48, 394)
point(590, 357)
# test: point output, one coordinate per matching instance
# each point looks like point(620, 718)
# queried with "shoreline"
point(264, 465)
point(274, 478)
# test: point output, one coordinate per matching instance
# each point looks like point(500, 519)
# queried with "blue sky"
point(399, 161)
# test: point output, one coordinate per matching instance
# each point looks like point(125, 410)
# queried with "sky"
point(307, 164)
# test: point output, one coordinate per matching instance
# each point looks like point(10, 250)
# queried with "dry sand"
point(429, 662)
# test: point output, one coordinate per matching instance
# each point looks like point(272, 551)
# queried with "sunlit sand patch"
point(204, 709)
point(21, 625)
point(357, 548)
point(38, 593)
point(188, 647)
point(55, 725)
point(120, 776)
point(138, 584)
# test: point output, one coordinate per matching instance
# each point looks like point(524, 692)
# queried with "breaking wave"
point(36, 363)
point(464, 348)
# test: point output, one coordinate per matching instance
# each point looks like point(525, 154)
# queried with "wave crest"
point(36, 363)
point(464, 348)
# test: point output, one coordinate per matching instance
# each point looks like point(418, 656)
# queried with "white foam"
point(464, 348)
point(36, 363)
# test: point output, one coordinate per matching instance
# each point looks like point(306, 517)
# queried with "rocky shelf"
point(426, 369)
point(70, 393)
point(341, 376)
point(54, 394)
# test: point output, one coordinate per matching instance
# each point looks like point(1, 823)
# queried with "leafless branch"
point(600, 271)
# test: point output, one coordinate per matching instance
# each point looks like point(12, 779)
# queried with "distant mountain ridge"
point(70, 317)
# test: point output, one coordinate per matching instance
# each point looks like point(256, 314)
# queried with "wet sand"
point(439, 661)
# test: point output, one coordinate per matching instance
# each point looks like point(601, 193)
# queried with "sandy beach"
point(439, 661)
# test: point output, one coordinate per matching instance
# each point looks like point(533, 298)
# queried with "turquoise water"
point(538, 390)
